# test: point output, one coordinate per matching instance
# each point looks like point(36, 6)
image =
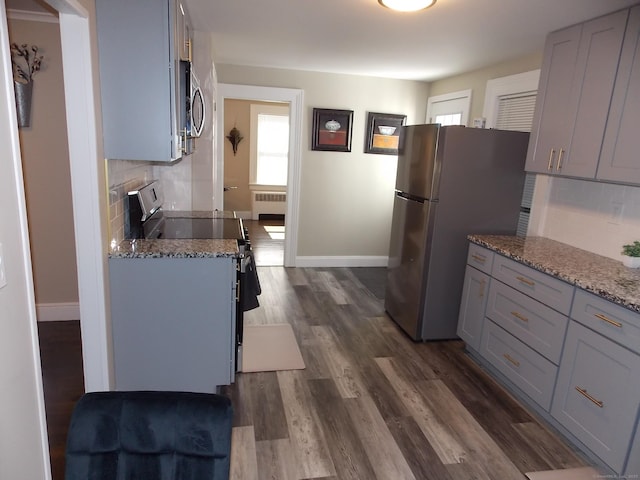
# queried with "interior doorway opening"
point(274, 97)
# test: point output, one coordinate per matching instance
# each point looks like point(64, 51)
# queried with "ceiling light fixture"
point(407, 5)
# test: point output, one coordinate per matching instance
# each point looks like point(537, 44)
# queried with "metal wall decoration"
point(235, 138)
point(25, 62)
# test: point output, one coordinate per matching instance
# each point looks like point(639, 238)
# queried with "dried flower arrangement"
point(23, 70)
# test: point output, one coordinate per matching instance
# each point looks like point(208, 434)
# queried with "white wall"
point(23, 434)
point(345, 198)
point(584, 214)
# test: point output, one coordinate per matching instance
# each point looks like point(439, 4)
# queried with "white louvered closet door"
point(515, 112)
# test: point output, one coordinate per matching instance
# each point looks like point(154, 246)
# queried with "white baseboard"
point(53, 312)
point(353, 261)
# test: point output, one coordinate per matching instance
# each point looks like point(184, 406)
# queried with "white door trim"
point(295, 98)
point(88, 193)
point(463, 95)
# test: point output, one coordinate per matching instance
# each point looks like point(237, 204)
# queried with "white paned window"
point(449, 119)
point(514, 105)
point(269, 145)
point(450, 108)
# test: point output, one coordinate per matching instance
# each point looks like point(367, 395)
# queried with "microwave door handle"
point(197, 128)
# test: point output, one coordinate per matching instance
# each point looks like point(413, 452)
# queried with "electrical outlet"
point(615, 213)
point(3, 277)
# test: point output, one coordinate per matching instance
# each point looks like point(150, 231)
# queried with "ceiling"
point(363, 38)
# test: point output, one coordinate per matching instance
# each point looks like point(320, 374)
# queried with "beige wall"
point(342, 193)
point(45, 162)
point(477, 80)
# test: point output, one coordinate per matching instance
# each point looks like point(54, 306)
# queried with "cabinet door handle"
point(511, 359)
point(237, 292)
point(591, 398)
point(526, 281)
point(550, 165)
point(520, 316)
point(479, 258)
point(559, 164)
point(608, 320)
point(482, 285)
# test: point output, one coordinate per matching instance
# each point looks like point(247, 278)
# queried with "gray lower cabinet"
point(173, 323)
point(526, 368)
point(472, 306)
point(598, 394)
point(571, 355)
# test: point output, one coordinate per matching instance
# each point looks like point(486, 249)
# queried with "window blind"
point(515, 112)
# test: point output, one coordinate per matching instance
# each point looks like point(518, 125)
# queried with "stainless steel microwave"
point(191, 108)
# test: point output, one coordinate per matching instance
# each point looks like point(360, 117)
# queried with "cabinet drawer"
point(480, 258)
point(598, 393)
point(544, 288)
point(613, 321)
point(527, 369)
point(537, 325)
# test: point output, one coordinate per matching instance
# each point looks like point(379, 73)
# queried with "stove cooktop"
point(216, 228)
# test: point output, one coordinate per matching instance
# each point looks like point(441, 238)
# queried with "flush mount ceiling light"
point(406, 5)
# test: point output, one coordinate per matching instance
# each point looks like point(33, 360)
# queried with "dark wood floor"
point(61, 359)
point(267, 240)
point(371, 404)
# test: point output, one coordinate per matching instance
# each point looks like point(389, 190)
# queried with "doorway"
point(294, 98)
point(256, 158)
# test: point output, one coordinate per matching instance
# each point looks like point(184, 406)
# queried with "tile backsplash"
point(124, 176)
point(594, 216)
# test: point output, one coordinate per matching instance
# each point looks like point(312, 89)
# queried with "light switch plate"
point(3, 277)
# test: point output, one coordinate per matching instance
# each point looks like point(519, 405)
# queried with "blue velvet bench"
point(148, 436)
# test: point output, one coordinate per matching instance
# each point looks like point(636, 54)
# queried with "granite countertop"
point(180, 248)
point(594, 273)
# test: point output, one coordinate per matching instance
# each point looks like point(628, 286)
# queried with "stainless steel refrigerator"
point(451, 182)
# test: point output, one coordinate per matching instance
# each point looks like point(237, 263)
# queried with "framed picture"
point(331, 130)
point(383, 133)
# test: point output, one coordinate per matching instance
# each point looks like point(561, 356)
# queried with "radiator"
point(274, 203)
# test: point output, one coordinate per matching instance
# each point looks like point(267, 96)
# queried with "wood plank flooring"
point(372, 404)
point(267, 240)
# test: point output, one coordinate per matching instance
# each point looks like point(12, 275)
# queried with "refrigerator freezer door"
point(405, 274)
point(418, 170)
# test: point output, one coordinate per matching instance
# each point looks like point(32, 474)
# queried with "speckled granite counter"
point(190, 248)
point(594, 273)
point(181, 248)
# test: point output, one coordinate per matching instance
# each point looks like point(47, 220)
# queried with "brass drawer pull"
point(550, 165)
point(511, 359)
point(559, 165)
point(608, 320)
point(520, 316)
point(585, 394)
point(526, 281)
point(479, 258)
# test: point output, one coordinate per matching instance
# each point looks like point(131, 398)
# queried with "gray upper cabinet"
point(138, 79)
point(184, 35)
point(619, 161)
point(576, 85)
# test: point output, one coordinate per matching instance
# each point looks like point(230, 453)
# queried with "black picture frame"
point(383, 133)
point(331, 130)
